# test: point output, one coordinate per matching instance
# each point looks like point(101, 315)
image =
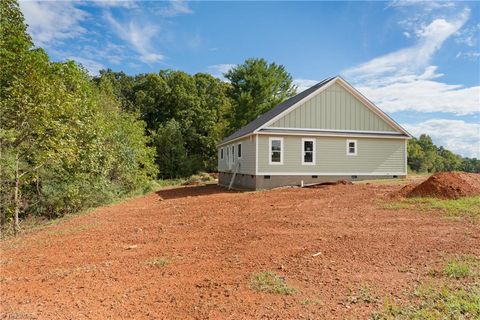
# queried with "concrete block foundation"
point(253, 182)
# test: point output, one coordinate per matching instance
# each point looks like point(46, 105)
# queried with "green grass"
point(158, 184)
point(159, 262)
point(362, 295)
point(457, 270)
point(436, 303)
point(270, 282)
point(468, 207)
point(462, 267)
point(455, 295)
point(309, 302)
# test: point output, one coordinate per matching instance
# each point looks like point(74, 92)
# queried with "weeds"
point(457, 270)
point(200, 178)
point(436, 303)
point(464, 207)
point(308, 302)
point(362, 295)
point(159, 262)
point(270, 282)
point(448, 299)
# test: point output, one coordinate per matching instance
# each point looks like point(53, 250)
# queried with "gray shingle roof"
point(275, 111)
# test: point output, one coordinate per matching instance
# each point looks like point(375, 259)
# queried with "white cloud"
point(139, 36)
point(469, 55)
point(51, 21)
point(175, 8)
point(116, 3)
point(426, 5)
point(456, 135)
point(412, 59)
point(404, 80)
point(218, 70)
point(304, 84)
point(468, 36)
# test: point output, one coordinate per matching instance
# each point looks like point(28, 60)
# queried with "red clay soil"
point(328, 243)
point(446, 185)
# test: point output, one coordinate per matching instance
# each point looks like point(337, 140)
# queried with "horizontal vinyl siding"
point(374, 155)
point(335, 109)
point(247, 163)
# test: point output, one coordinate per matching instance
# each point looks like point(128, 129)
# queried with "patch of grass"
point(159, 262)
point(309, 302)
point(468, 207)
point(396, 205)
point(362, 295)
point(158, 184)
point(436, 303)
point(457, 270)
point(462, 267)
point(199, 178)
point(270, 282)
point(447, 299)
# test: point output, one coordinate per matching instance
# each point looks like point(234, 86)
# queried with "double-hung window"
point(233, 154)
point(239, 150)
point(351, 147)
point(308, 151)
point(275, 151)
point(221, 153)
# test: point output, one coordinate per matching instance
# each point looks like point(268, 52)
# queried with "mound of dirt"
point(446, 185)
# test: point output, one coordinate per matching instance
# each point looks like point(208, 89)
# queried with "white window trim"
point(222, 153)
point(232, 149)
point(240, 144)
point(313, 152)
point(282, 151)
point(356, 147)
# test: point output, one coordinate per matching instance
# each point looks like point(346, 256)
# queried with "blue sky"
point(418, 61)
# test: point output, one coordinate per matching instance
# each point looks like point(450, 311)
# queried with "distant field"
point(199, 252)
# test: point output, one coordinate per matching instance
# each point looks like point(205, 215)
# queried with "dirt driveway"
point(208, 242)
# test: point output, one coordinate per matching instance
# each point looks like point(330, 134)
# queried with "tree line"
point(69, 141)
point(425, 156)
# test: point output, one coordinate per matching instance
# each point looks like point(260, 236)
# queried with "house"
point(328, 132)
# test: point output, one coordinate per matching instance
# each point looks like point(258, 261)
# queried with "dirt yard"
point(191, 252)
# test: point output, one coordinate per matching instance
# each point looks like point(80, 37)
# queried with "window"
point(228, 154)
point(239, 151)
point(308, 151)
point(276, 151)
point(351, 147)
point(221, 153)
point(233, 154)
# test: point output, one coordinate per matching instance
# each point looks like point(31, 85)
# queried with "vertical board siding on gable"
point(247, 163)
point(336, 109)
point(374, 155)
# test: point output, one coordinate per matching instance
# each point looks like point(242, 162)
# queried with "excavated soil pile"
point(446, 185)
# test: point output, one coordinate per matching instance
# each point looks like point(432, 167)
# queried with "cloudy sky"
point(418, 61)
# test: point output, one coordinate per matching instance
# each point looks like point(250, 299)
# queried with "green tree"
point(122, 88)
point(425, 156)
point(32, 121)
point(256, 87)
point(65, 143)
point(199, 104)
point(171, 153)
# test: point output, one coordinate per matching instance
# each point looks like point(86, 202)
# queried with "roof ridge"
point(273, 112)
